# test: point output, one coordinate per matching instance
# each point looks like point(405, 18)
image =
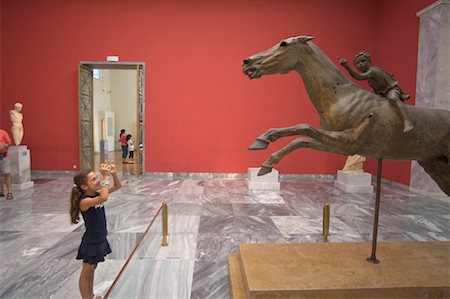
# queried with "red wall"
point(201, 111)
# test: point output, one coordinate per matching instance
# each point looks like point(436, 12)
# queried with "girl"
point(88, 196)
point(130, 148)
point(124, 145)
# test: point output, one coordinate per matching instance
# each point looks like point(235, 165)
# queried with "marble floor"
point(208, 219)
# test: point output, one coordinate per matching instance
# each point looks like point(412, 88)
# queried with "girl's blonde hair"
point(75, 196)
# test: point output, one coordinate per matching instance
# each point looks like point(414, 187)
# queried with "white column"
point(433, 77)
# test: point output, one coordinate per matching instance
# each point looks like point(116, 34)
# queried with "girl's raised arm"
point(117, 183)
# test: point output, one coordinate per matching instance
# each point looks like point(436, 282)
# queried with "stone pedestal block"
point(20, 167)
point(268, 182)
point(340, 270)
point(354, 182)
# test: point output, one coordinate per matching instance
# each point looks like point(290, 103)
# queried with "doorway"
point(99, 112)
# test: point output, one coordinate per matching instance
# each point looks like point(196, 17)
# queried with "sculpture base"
point(340, 270)
point(354, 182)
point(20, 167)
point(267, 182)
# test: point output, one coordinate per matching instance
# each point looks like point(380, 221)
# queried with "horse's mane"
point(327, 60)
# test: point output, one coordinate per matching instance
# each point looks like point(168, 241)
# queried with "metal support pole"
point(373, 257)
point(326, 222)
point(164, 224)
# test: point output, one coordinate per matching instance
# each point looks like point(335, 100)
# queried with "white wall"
point(102, 102)
point(123, 101)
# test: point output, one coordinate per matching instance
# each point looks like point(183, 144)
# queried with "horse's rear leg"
point(439, 170)
point(294, 145)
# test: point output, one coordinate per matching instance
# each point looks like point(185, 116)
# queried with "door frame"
point(85, 104)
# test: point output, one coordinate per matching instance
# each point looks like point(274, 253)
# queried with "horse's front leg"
point(337, 138)
point(276, 157)
point(347, 139)
point(262, 142)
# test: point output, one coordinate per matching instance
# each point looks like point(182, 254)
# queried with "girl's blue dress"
point(94, 245)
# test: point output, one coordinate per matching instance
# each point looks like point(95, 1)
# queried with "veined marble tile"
point(191, 187)
point(226, 192)
point(122, 244)
point(65, 248)
point(104, 276)
point(131, 205)
point(243, 224)
point(265, 197)
point(39, 280)
point(262, 210)
point(128, 223)
point(30, 244)
point(200, 209)
point(155, 279)
point(56, 223)
point(224, 198)
point(177, 223)
point(417, 223)
point(429, 236)
point(9, 265)
point(351, 209)
point(180, 247)
point(216, 246)
point(293, 225)
point(207, 271)
point(25, 221)
point(6, 236)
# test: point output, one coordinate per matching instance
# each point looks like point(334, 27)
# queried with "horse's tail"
point(439, 170)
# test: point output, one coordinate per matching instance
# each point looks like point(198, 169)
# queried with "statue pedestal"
point(354, 182)
point(340, 270)
point(268, 182)
point(20, 167)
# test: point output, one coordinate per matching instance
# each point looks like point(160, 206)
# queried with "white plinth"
point(267, 182)
point(354, 182)
point(20, 167)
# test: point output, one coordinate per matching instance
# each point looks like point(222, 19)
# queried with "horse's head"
point(280, 59)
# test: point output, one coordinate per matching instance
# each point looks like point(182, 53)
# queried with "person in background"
point(5, 164)
point(124, 145)
point(130, 148)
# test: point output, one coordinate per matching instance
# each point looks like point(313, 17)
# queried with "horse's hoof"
point(264, 170)
point(408, 126)
point(259, 144)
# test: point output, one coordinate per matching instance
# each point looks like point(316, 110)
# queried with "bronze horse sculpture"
point(353, 120)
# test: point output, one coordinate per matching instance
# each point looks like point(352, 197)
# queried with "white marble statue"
point(16, 121)
point(354, 163)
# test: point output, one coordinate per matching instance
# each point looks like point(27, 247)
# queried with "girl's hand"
point(112, 166)
point(105, 169)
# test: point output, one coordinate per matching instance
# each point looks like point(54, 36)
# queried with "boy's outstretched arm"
point(353, 73)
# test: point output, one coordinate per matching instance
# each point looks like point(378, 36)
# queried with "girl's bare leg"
point(86, 275)
point(91, 283)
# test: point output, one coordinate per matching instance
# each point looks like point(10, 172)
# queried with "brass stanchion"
point(164, 224)
point(326, 222)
